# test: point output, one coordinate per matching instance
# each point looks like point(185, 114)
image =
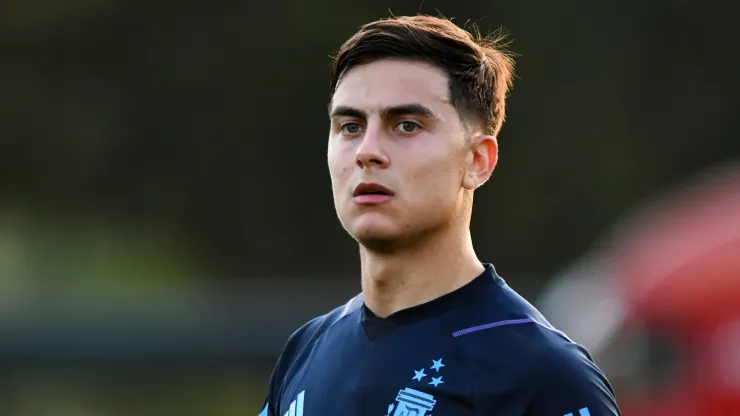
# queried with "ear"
point(485, 155)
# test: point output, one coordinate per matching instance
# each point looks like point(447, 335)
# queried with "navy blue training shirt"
point(480, 350)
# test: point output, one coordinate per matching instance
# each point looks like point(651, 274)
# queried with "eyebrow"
point(393, 111)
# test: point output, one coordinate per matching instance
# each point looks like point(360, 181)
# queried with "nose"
point(370, 153)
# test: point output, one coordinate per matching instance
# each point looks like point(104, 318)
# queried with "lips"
point(370, 188)
point(369, 193)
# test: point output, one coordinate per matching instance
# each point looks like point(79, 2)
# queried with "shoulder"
point(299, 341)
point(515, 340)
point(549, 372)
point(312, 330)
point(507, 324)
point(565, 378)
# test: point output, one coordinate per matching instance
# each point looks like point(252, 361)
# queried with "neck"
point(416, 275)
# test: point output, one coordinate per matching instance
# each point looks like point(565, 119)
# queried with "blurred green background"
point(166, 218)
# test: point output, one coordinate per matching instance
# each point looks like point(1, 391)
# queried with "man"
point(416, 106)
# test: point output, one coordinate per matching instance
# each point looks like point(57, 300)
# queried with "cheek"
point(438, 175)
point(340, 166)
point(434, 188)
point(445, 183)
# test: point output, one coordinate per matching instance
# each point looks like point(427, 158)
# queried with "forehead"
point(385, 83)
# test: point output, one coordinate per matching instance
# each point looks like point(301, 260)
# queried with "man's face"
point(393, 126)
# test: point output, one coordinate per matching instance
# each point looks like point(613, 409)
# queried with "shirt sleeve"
point(266, 410)
point(566, 382)
point(294, 344)
point(269, 405)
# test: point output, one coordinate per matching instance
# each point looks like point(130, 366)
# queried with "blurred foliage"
point(107, 259)
point(153, 394)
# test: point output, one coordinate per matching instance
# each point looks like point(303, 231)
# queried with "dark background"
point(164, 194)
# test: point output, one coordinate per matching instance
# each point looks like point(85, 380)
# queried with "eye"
point(408, 126)
point(350, 128)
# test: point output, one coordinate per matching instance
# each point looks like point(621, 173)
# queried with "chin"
point(379, 243)
point(376, 234)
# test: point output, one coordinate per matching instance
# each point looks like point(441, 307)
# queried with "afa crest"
point(412, 402)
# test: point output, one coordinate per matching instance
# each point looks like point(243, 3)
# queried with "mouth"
point(368, 193)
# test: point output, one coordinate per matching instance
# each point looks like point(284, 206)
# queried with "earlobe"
point(485, 156)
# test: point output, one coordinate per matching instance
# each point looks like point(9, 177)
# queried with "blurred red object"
point(673, 269)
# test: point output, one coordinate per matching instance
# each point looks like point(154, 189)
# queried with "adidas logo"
point(296, 406)
point(582, 412)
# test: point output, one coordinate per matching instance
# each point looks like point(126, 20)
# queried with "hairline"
point(465, 121)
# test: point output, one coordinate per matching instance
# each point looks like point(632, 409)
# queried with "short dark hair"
point(480, 70)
